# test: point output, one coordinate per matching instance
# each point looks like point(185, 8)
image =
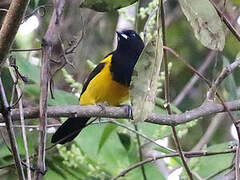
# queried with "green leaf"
point(125, 139)
point(206, 24)
point(105, 135)
point(144, 80)
point(112, 157)
point(106, 5)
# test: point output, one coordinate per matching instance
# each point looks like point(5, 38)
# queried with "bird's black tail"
point(69, 130)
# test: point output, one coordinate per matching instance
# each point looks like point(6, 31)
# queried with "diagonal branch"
point(20, 105)
point(187, 154)
point(194, 78)
point(6, 112)
point(226, 21)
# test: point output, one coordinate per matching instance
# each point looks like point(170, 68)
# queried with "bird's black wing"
point(92, 75)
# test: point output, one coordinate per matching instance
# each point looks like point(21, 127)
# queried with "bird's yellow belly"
point(103, 89)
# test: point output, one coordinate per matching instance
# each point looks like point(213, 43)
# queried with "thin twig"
point(20, 104)
point(73, 47)
point(226, 71)
point(65, 52)
point(24, 50)
point(194, 78)
point(167, 93)
point(226, 21)
point(140, 134)
point(140, 151)
point(213, 90)
point(210, 95)
point(188, 65)
point(43, 8)
point(6, 112)
point(32, 126)
point(187, 154)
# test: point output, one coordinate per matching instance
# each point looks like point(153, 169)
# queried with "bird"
point(109, 82)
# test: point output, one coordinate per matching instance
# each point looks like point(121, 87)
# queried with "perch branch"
point(207, 108)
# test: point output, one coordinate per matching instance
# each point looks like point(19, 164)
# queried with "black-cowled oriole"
point(109, 82)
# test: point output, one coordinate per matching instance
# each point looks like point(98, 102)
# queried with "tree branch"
point(167, 93)
point(194, 78)
point(20, 105)
point(186, 154)
point(207, 108)
point(6, 112)
point(47, 43)
point(10, 26)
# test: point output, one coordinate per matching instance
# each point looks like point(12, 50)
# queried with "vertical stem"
point(41, 168)
point(49, 38)
point(166, 90)
point(6, 112)
point(140, 152)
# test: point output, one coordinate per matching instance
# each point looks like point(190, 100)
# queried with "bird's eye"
point(124, 36)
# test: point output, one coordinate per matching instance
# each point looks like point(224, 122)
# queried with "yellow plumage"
point(102, 88)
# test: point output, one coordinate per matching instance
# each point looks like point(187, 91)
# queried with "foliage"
point(206, 23)
point(106, 5)
point(144, 85)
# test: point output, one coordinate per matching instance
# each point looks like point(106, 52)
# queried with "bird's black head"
point(130, 43)
point(124, 58)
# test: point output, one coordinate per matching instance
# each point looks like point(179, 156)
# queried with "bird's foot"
point(128, 110)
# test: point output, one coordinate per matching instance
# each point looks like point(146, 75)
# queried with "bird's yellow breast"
point(102, 88)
